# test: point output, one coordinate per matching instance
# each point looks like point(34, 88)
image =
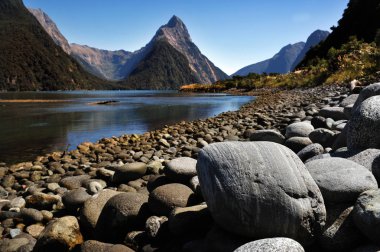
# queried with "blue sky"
point(231, 33)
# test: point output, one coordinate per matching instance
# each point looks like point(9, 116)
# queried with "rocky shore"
point(292, 171)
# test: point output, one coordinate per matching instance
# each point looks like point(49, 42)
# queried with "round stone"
point(74, 182)
point(75, 199)
point(310, 151)
point(296, 144)
point(165, 198)
point(341, 180)
point(243, 183)
point(336, 113)
point(122, 213)
point(363, 128)
point(322, 136)
point(300, 129)
point(92, 246)
point(62, 234)
point(129, 172)
point(181, 169)
point(267, 135)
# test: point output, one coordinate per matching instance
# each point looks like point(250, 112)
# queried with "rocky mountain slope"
point(361, 19)
point(314, 39)
point(119, 65)
point(287, 58)
point(279, 63)
point(30, 60)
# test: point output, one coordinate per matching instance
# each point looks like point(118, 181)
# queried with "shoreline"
point(61, 184)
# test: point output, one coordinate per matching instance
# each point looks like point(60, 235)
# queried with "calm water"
point(29, 129)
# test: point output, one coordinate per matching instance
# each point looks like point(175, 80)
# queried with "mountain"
point(30, 59)
point(287, 58)
point(314, 39)
point(156, 63)
point(280, 63)
point(360, 19)
point(128, 66)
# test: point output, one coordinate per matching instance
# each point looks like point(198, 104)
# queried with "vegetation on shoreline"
point(354, 60)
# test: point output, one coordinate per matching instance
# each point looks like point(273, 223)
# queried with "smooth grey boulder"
point(129, 172)
point(367, 92)
point(299, 129)
point(336, 113)
point(267, 135)
point(122, 213)
point(181, 169)
point(367, 214)
point(322, 136)
point(74, 182)
point(341, 180)
point(243, 182)
point(310, 151)
point(271, 245)
point(350, 100)
point(363, 128)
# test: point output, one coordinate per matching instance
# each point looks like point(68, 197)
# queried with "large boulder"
point(122, 213)
point(271, 244)
point(262, 185)
point(363, 128)
point(367, 92)
point(62, 234)
point(341, 180)
point(300, 129)
point(367, 214)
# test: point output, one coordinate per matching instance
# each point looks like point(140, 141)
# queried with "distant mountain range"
point(169, 60)
point(30, 60)
point(287, 58)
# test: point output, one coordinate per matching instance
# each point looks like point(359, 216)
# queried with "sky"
point(231, 33)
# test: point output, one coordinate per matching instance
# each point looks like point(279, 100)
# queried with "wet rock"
point(164, 199)
point(62, 234)
point(238, 177)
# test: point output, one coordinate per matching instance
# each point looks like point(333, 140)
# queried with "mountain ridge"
point(119, 65)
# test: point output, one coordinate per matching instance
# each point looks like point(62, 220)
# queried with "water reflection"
point(31, 129)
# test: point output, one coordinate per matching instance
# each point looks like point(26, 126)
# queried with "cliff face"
point(31, 60)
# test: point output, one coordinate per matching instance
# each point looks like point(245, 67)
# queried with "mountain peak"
point(174, 21)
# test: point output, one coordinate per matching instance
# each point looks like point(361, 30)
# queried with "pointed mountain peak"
point(174, 21)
